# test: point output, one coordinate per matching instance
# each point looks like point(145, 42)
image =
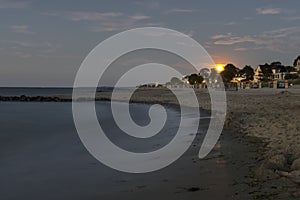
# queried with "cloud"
point(121, 24)
point(27, 49)
point(104, 22)
point(230, 23)
point(179, 10)
point(190, 33)
point(268, 11)
point(152, 24)
point(85, 16)
point(21, 29)
point(240, 49)
point(278, 40)
point(281, 33)
point(43, 46)
point(111, 26)
point(13, 5)
point(140, 17)
point(234, 40)
point(220, 36)
point(229, 39)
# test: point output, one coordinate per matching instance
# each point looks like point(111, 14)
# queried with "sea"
point(44, 91)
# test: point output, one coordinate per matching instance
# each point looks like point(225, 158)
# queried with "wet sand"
point(43, 158)
point(266, 117)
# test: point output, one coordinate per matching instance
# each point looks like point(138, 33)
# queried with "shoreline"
point(263, 117)
point(55, 153)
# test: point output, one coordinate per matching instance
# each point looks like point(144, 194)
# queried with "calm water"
point(42, 157)
point(18, 91)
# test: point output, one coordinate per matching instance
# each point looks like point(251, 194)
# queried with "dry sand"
point(272, 117)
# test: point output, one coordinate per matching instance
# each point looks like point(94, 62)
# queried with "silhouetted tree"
point(291, 76)
point(195, 79)
point(277, 63)
point(230, 71)
point(295, 61)
point(266, 71)
point(248, 72)
point(290, 69)
point(175, 81)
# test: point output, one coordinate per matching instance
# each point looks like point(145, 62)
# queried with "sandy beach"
point(267, 117)
point(264, 122)
point(270, 117)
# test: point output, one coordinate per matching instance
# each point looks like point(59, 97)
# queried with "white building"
point(276, 72)
point(298, 64)
point(257, 74)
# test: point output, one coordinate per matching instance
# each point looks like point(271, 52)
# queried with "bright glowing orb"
point(220, 67)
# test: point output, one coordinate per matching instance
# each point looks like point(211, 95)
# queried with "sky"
point(43, 43)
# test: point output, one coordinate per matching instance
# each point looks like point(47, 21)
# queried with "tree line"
point(246, 73)
point(230, 71)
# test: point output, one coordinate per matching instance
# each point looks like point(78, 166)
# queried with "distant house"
point(297, 64)
point(273, 71)
point(258, 74)
point(278, 72)
point(239, 78)
point(263, 72)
